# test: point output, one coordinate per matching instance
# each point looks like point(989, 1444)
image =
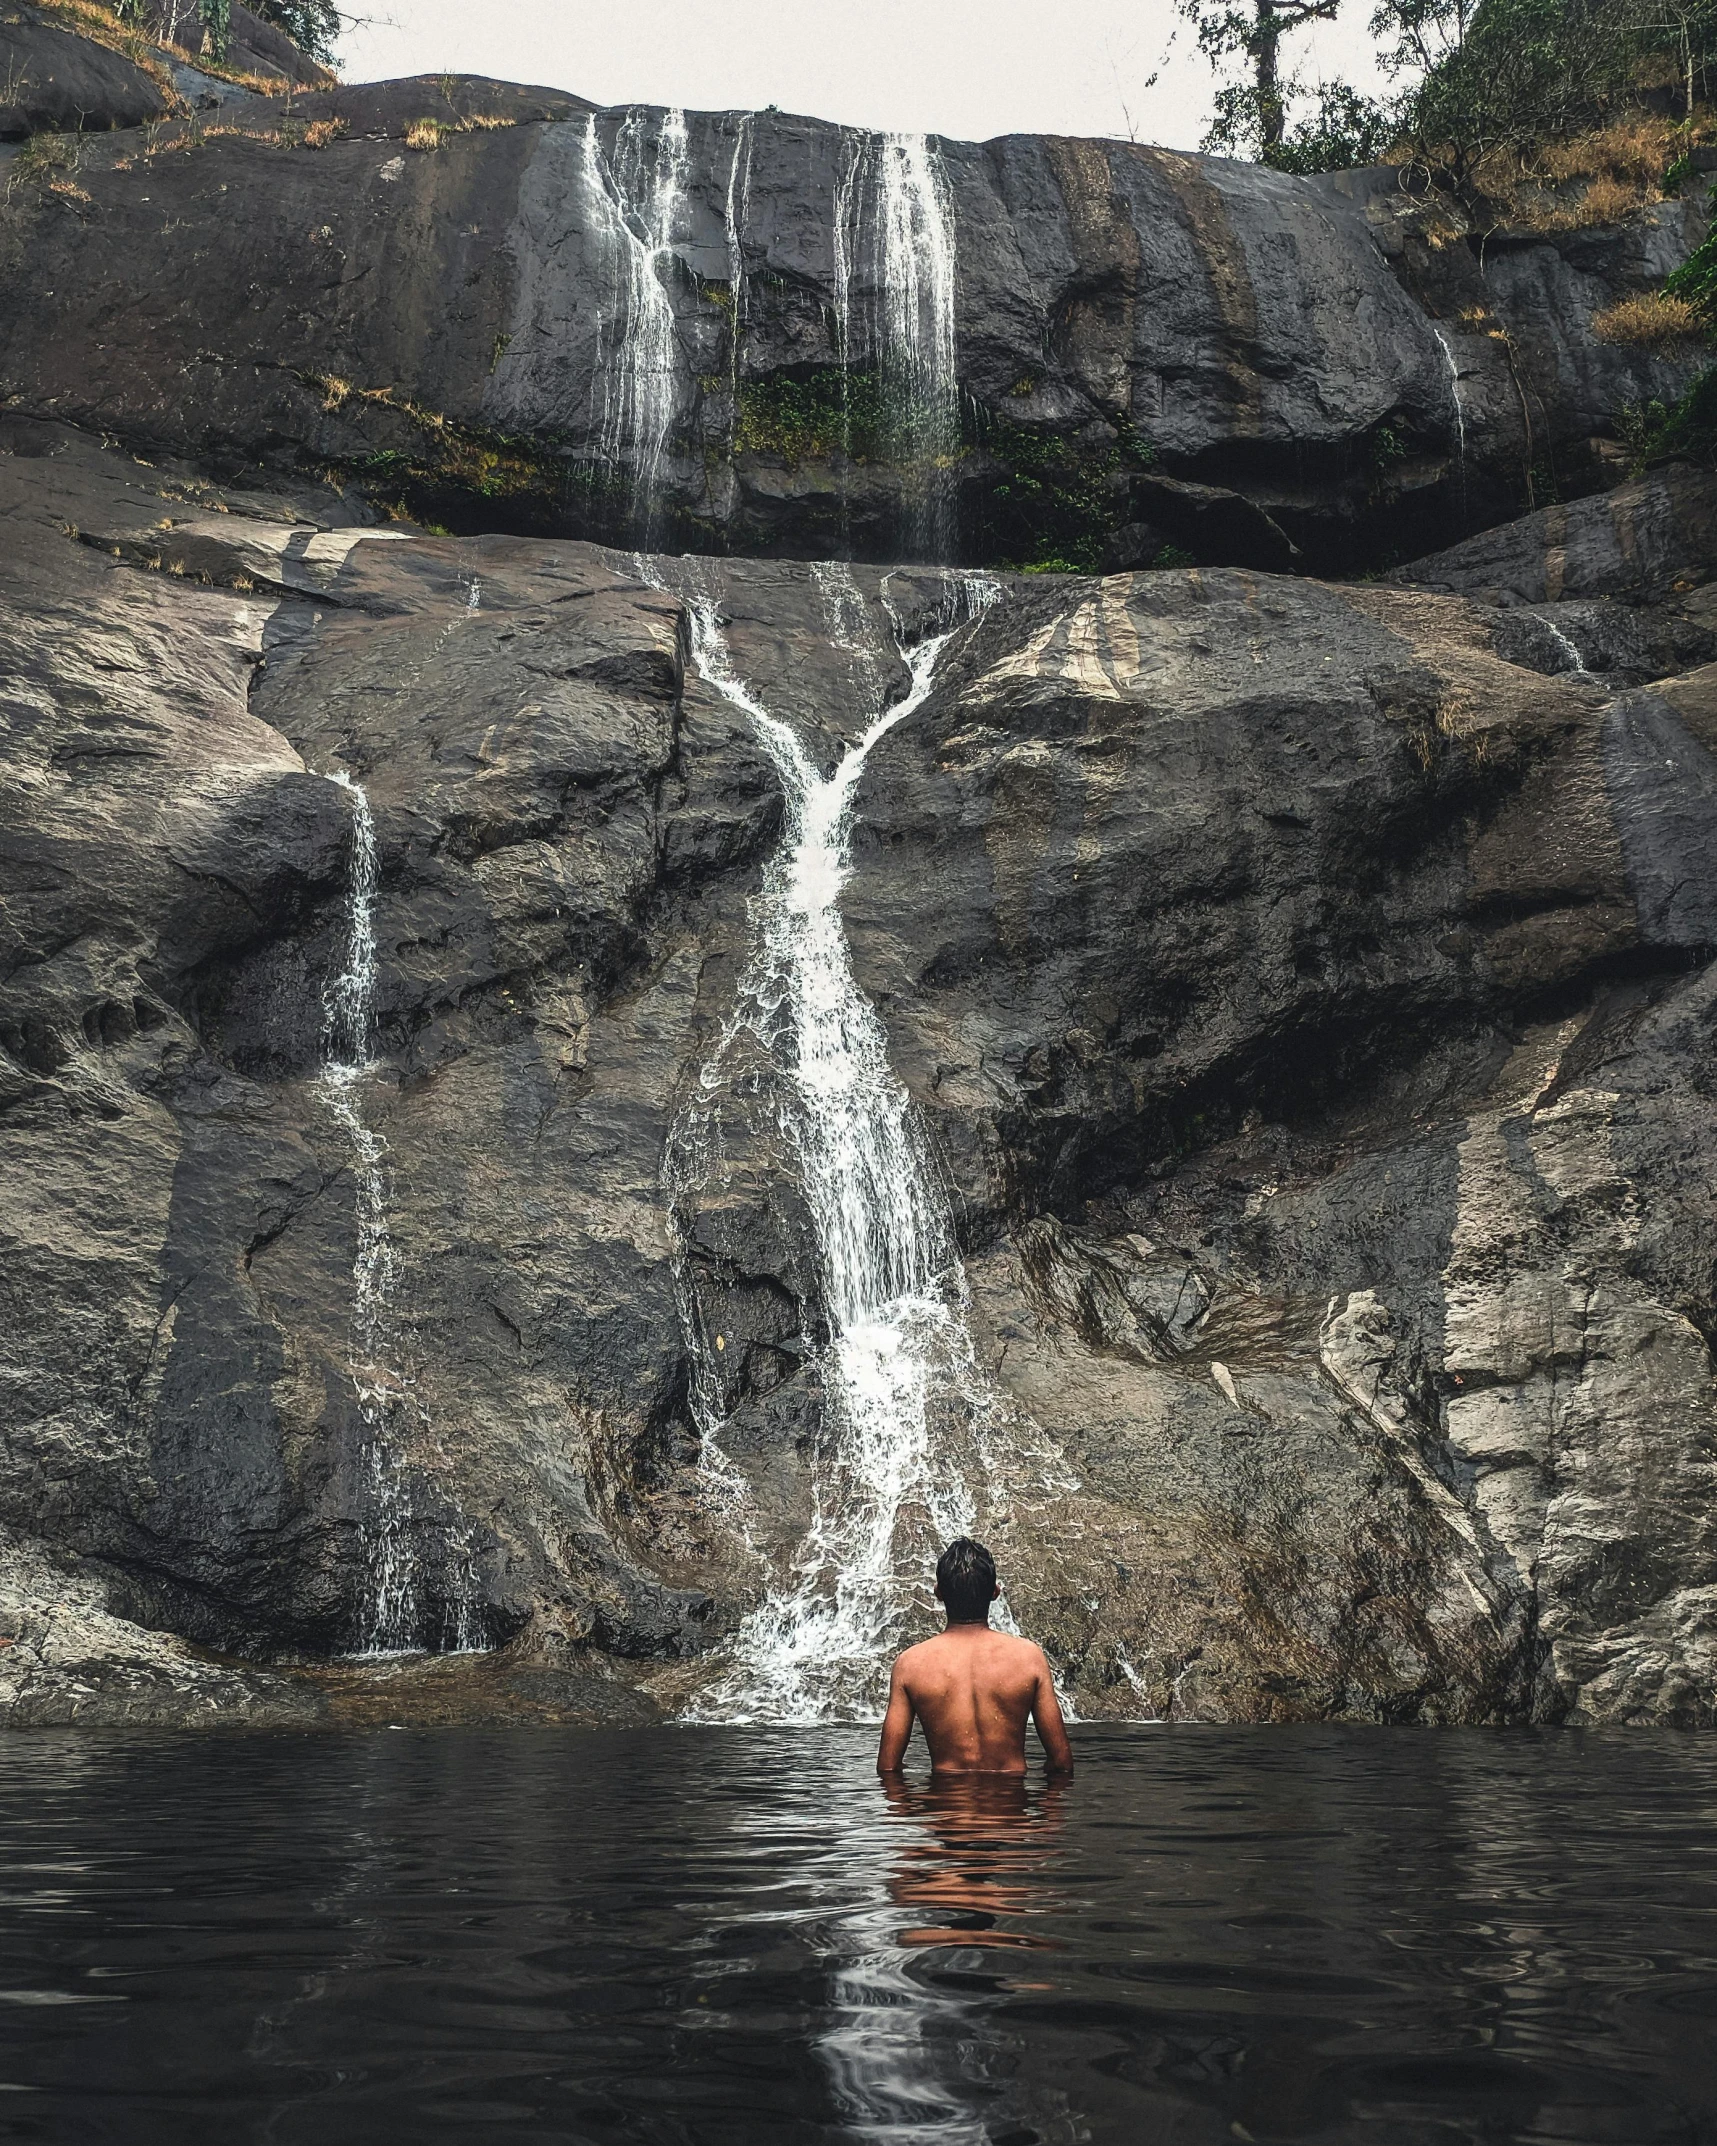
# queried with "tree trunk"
point(1272, 120)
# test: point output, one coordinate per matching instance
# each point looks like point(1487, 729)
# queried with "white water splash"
point(641, 195)
point(899, 1377)
point(392, 1614)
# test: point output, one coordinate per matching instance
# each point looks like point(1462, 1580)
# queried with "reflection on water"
point(1323, 1935)
point(913, 2057)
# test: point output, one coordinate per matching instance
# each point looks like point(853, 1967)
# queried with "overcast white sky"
point(965, 68)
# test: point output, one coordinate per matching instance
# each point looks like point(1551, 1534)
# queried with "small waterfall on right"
point(898, 1370)
point(738, 209)
point(1565, 646)
point(640, 193)
point(894, 225)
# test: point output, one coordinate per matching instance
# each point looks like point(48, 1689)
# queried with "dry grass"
point(50, 161)
point(424, 134)
point(1640, 148)
point(1590, 179)
point(320, 132)
point(1652, 318)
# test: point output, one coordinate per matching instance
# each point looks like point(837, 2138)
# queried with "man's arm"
point(1046, 1712)
point(896, 1725)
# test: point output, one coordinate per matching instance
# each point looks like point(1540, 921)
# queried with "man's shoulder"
point(1023, 1650)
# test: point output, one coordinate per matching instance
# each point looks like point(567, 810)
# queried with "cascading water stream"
point(641, 195)
point(894, 217)
point(1576, 664)
point(1448, 350)
point(393, 1613)
point(738, 210)
point(898, 1371)
point(389, 1615)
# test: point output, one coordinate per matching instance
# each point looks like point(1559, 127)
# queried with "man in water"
point(973, 1689)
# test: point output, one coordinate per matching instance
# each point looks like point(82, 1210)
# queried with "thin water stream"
point(394, 1613)
point(639, 194)
point(894, 231)
point(1454, 370)
point(388, 1618)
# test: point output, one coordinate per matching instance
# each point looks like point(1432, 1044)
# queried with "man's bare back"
point(973, 1689)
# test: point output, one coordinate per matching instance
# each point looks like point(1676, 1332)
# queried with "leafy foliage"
point(1057, 501)
point(1251, 116)
point(313, 25)
point(1344, 130)
point(1695, 281)
point(1510, 75)
point(808, 416)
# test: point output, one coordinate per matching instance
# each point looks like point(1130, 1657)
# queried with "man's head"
point(966, 1581)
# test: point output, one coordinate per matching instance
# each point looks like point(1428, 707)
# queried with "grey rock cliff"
point(1305, 988)
point(420, 289)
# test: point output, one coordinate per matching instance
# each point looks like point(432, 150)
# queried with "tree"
point(1251, 116)
point(1343, 130)
point(1512, 74)
point(314, 26)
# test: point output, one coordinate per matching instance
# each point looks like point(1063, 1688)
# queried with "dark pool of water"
point(737, 1936)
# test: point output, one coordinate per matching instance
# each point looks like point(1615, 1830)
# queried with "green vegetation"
point(312, 25)
point(1478, 83)
point(810, 416)
point(1052, 502)
point(1056, 501)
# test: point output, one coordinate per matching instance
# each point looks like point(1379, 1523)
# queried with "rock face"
point(754, 333)
point(1305, 989)
point(1296, 992)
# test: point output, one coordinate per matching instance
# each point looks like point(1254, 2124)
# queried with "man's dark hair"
point(966, 1581)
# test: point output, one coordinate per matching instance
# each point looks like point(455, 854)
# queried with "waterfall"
point(389, 1616)
point(393, 1613)
point(893, 191)
point(898, 1371)
point(640, 195)
point(738, 208)
point(1576, 664)
point(1448, 350)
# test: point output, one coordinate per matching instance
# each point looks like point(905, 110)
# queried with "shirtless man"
point(973, 1689)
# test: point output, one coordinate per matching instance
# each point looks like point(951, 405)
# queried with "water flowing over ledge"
point(904, 1401)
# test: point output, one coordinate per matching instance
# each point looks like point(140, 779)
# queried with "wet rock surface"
point(422, 289)
point(1305, 988)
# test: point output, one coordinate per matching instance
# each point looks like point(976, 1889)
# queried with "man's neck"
point(967, 1624)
